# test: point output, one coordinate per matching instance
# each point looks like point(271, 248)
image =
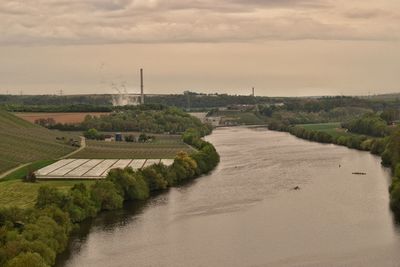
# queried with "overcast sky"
point(281, 47)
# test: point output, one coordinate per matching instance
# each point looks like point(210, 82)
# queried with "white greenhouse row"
point(93, 168)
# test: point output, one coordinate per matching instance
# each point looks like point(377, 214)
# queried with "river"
point(246, 212)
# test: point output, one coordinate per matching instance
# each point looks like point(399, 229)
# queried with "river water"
point(246, 214)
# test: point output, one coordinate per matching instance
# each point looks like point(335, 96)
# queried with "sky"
point(280, 47)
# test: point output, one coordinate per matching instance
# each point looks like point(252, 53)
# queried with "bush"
point(30, 177)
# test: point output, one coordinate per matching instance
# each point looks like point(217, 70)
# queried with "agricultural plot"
point(124, 150)
point(22, 142)
point(92, 169)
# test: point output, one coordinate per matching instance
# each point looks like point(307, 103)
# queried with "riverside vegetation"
point(33, 237)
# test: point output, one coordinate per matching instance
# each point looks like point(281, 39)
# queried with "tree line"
point(165, 120)
point(34, 237)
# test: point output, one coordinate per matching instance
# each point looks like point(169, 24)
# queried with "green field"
point(332, 128)
point(23, 195)
point(23, 142)
point(162, 148)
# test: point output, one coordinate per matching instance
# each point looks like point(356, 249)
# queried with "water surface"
point(246, 214)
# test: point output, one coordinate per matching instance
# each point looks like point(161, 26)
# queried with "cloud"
point(367, 13)
point(60, 22)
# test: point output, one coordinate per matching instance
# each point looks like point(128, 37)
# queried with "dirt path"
point(83, 145)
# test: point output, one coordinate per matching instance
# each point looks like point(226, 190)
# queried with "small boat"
point(359, 173)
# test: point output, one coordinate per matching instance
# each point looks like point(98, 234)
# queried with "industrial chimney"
point(141, 87)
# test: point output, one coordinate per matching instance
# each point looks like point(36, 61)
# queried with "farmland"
point(64, 117)
point(166, 148)
point(23, 142)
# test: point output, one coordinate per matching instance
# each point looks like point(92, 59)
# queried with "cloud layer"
point(62, 22)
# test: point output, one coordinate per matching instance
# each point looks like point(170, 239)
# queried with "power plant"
point(123, 98)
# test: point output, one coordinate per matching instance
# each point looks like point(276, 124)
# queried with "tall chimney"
point(141, 87)
point(252, 91)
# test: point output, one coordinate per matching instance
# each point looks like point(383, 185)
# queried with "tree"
point(30, 177)
point(48, 196)
point(27, 259)
point(93, 134)
point(105, 195)
point(390, 115)
point(154, 179)
point(129, 138)
point(130, 184)
point(81, 205)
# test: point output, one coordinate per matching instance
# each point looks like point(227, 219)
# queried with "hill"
point(22, 142)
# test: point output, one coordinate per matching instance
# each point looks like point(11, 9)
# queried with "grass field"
point(22, 142)
point(162, 148)
point(23, 195)
point(332, 128)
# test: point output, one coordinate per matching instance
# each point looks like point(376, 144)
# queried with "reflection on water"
point(246, 214)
